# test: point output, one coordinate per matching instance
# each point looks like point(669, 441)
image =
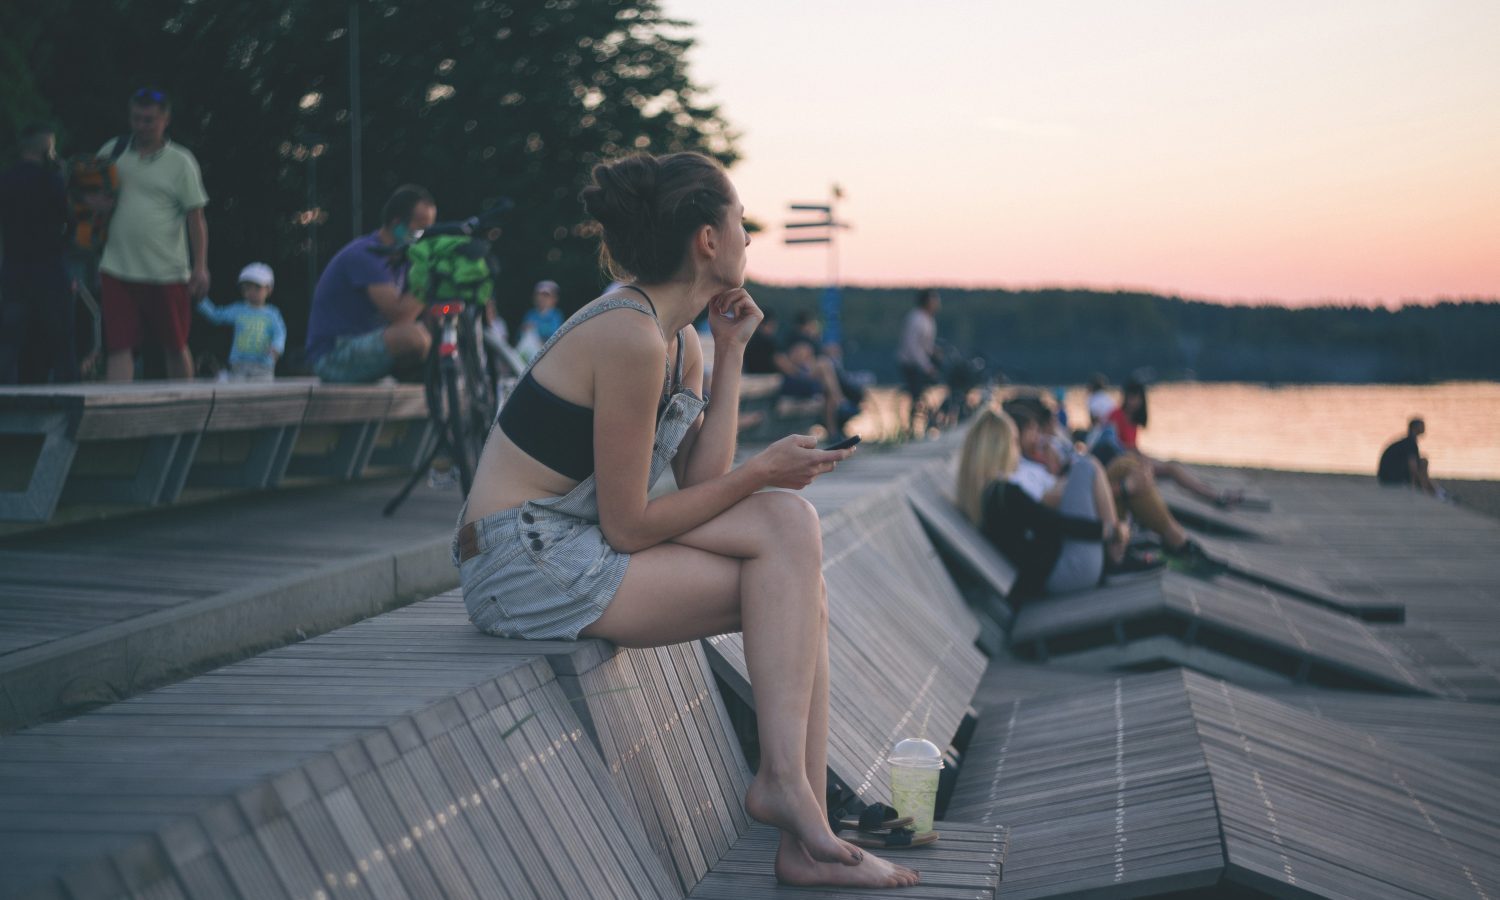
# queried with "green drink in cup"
point(915, 764)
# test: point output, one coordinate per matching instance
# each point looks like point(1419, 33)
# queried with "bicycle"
point(465, 369)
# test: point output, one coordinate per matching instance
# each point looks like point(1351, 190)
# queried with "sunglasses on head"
point(149, 95)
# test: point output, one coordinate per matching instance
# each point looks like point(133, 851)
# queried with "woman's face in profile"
point(730, 263)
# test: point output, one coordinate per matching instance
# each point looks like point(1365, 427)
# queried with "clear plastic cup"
point(915, 764)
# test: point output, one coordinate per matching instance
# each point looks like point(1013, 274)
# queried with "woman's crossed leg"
point(757, 568)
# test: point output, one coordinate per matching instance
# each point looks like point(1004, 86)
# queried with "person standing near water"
point(561, 538)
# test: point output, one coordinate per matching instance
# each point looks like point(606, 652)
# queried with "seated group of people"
point(1115, 427)
point(1059, 514)
point(809, 368)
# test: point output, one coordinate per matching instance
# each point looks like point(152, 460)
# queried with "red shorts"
point(128, 306)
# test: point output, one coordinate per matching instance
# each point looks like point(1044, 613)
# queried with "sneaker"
point(1190, 559)
point(1136, 560)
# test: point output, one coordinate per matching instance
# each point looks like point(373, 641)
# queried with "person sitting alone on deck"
point(561, 538)
point(1403, 465)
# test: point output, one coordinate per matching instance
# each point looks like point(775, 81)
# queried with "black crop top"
point(558, 433)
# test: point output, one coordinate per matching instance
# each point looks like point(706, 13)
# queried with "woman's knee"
point(790, 519)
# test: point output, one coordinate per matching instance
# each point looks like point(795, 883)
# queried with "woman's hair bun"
point(649, 207)
point(622, 191)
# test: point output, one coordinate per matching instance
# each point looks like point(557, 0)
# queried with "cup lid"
point(917, 753)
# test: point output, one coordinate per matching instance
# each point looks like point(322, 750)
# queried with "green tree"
point(474, 99)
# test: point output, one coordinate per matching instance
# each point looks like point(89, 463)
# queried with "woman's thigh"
point(689, 587)
point(670, 594)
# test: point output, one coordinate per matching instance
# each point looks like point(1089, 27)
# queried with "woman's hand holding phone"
point(795, 460)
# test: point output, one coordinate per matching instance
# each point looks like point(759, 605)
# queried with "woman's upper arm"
point(627, 382)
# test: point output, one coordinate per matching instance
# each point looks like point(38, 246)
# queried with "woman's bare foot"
point(795, 866)
point(792, 808)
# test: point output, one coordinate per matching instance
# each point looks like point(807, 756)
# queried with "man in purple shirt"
point(363, 322)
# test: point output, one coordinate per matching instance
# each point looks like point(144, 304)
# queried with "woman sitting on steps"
point(560, 538)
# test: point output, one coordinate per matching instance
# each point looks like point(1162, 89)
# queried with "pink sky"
point(1266, 150)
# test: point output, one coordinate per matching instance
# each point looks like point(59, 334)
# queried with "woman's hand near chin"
point(733, 317)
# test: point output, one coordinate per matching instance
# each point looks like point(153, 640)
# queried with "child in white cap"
point(259, 332)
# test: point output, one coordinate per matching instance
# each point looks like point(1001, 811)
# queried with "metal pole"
point(356, 149)
point(833, 239)
point(312, 204)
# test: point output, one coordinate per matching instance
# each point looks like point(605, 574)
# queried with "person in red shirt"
point(1130, 417)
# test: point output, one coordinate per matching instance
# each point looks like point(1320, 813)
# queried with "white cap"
point(258, 273)
point(1100, 405)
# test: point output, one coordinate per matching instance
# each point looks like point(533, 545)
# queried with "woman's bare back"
point(508, 476)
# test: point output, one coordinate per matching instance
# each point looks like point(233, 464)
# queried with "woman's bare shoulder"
point(622, 334)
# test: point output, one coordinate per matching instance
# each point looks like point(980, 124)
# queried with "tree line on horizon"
point(1064, 335)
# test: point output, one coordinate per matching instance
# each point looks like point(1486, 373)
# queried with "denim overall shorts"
point(543, 570)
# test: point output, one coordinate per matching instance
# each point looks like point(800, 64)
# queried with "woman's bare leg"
point(1104, 504)
point(1146, 504)
point(757, 568)
point(1176, 471)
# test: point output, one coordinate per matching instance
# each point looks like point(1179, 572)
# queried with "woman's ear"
point(708, 240)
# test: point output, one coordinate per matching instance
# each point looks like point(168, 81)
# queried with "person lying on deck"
point(1057, 525)
point(1129, 417)
point(1133, 484)
point(560, 538)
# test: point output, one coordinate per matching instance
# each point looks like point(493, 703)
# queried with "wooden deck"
point(92, 613)
point(1172, 782)
point(408, 755)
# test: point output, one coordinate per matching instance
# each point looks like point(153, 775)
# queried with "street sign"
point(826, 227)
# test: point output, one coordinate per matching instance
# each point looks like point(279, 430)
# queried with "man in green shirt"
point(148, 280)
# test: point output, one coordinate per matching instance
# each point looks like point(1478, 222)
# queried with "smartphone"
point(845, 444)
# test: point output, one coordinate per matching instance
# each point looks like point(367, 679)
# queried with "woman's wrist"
point(727, 349)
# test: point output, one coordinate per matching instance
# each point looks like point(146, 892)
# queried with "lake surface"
point(1313, 428)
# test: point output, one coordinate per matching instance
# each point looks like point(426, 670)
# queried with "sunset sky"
point(1239, 151)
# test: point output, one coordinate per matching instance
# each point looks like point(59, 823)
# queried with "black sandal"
point(896, 838)
point(875, 817)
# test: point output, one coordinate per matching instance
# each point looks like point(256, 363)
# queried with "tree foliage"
point(474, 99)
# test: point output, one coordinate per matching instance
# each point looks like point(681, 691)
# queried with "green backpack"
point(451, 267)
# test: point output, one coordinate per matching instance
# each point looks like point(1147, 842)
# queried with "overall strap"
point(677, 370)
point(675, 379)
point(605, 304)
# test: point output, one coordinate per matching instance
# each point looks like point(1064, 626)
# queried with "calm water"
point(1316, 428)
